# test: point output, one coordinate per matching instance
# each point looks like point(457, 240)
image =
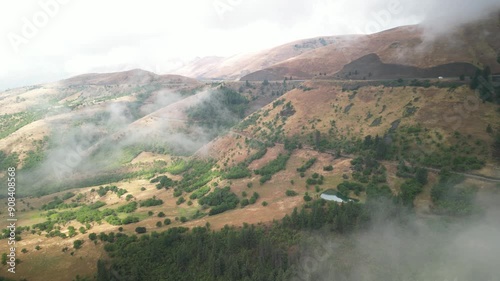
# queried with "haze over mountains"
point(475, 43)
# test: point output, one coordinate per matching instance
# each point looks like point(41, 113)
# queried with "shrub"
point(128, 208)
point(244, 202)
point(92, 236)
point(307, 198)
point(237, 172)
point(180, 200)
point(328, 168)
point(77, 244)
point(291, 193)
point(140, 229)
point(151, 202)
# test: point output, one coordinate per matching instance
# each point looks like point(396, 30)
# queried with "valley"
point(138, 176)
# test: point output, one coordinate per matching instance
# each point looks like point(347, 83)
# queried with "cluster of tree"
point(249, 253)
point(418, 173)
point(256, 156)
point(448, 158)
point(179, 166)
point(346, 187)
point(272, 167)
point(199, 193)
point(342, 218)
point(222, 110)
point(7, 161)
point(367, 169)
point(482, 82)
point(58, 203)
point(245, 202)
point(292, 143)
point(163, 182)
point(379, 146)
point(315, 179)
point(328, 168)
point(221, 200)
point(306, 165)
point(85, 214)
point(128, 208)
point(409, 190)
point(448, 198)
point(198, 175)
point(237, 172)
point(102, 191)
point(151, 202)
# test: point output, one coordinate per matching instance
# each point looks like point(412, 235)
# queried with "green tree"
point(92, 236)
point(140, 229)
point(82, 230)
point(77, 244)
point(71, 231)
point(422, 176)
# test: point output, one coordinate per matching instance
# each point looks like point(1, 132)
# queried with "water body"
point(331, 198)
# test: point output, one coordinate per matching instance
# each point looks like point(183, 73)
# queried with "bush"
point(92, 236)
point(307, 198)
point(151, 202)
point(450, 199)
point(244, 202)
point(167, 221)
point(140, 229)
point(273, 167)
point(180, 200)
point(291, 193)
point(130, 219)
point(200, 192)
point(77, 244)
point(328, 168)
point(128, 208)
point(161, 214)
point(221, 199)
point(237, 172)
point(409, 190)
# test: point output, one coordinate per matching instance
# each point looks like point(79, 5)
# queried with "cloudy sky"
point(48, 40)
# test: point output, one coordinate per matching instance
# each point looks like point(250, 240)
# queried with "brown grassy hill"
point(477, 44)
point(235, 67)
point(326, 111)
point(134, 76)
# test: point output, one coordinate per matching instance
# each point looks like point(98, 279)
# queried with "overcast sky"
point(48, 40)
